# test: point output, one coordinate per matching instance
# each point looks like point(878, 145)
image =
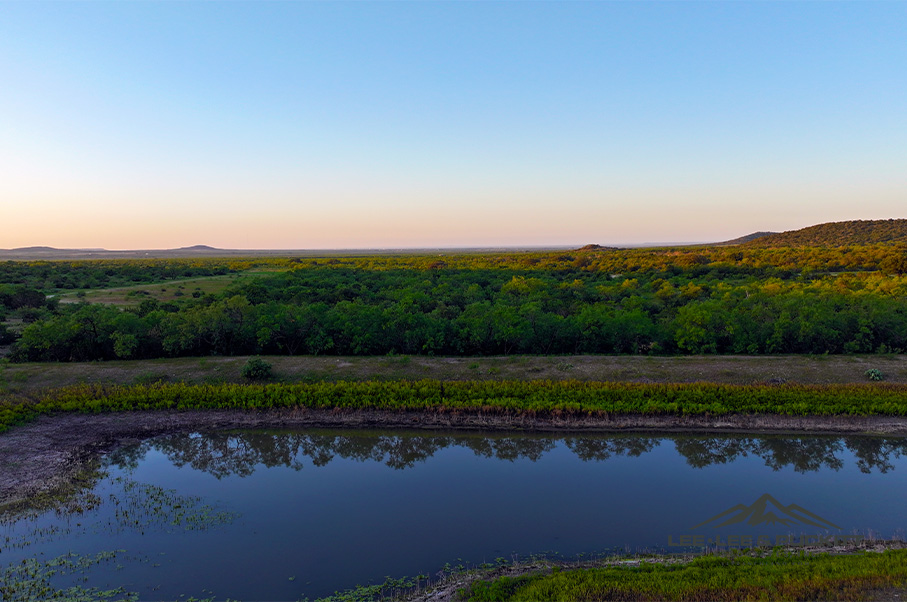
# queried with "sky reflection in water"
point(281, 515)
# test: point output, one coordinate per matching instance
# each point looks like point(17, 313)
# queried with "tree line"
point(776, 261)
point(347, 310)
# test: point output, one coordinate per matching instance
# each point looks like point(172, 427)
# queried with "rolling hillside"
point(833, 234)
point(747, 238)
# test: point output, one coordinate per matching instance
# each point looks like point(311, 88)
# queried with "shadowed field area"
point(744, 370)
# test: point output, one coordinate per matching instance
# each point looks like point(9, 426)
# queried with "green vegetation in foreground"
point(532, 398)
point(780, 576)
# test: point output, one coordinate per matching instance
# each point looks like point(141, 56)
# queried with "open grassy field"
point(164, 291)
point(743, 370)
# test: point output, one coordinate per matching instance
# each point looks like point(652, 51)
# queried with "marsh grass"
point(71, 498)
point(390, 589)
point(35, 579)
point(780, 576)
point(128, 506)
point(538, 398)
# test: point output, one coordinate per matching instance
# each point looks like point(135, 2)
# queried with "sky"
point(328, 125)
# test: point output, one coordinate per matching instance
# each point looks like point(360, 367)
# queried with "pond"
point(286, 515)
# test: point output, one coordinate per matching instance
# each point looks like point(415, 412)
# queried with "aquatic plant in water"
point(31, 579)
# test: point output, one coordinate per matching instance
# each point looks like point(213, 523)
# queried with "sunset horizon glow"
point(285, 125)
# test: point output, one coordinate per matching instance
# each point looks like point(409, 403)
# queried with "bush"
point(256, 369)
point(874, 374)
point(6, 336)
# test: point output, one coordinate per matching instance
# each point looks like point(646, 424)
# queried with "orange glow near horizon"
point(476, 221)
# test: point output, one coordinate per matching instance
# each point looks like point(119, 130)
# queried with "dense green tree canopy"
point(676, 300)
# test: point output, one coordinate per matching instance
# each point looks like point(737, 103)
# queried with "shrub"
point(256, 369)
point(6, 336)
point(874, 374)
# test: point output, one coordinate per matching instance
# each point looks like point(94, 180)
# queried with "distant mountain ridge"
point(44, 253)
point(831, 234)
point(51, 253)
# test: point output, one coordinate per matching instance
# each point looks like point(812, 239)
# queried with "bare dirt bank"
point(46, 456)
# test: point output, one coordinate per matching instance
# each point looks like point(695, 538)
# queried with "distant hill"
point(833, 234)
point(51, 253)
point(199, 251)
point(48, 250)
point(34, 249)
point(747, 238)
point(198, 248)
point(597, 248)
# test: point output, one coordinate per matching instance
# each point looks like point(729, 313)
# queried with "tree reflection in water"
point(239, 453)
point(875, 453)
point(804, 454)
point(588, 448)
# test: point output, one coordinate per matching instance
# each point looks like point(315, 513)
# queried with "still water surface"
point(282, 515)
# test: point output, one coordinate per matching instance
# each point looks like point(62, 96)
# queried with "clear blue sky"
point(412, 124)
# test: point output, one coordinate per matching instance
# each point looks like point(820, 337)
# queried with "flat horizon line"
point(208, 248)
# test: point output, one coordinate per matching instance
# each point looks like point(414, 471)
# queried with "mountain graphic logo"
point(767, 509)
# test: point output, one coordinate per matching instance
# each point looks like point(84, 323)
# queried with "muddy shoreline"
point(48, 454)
